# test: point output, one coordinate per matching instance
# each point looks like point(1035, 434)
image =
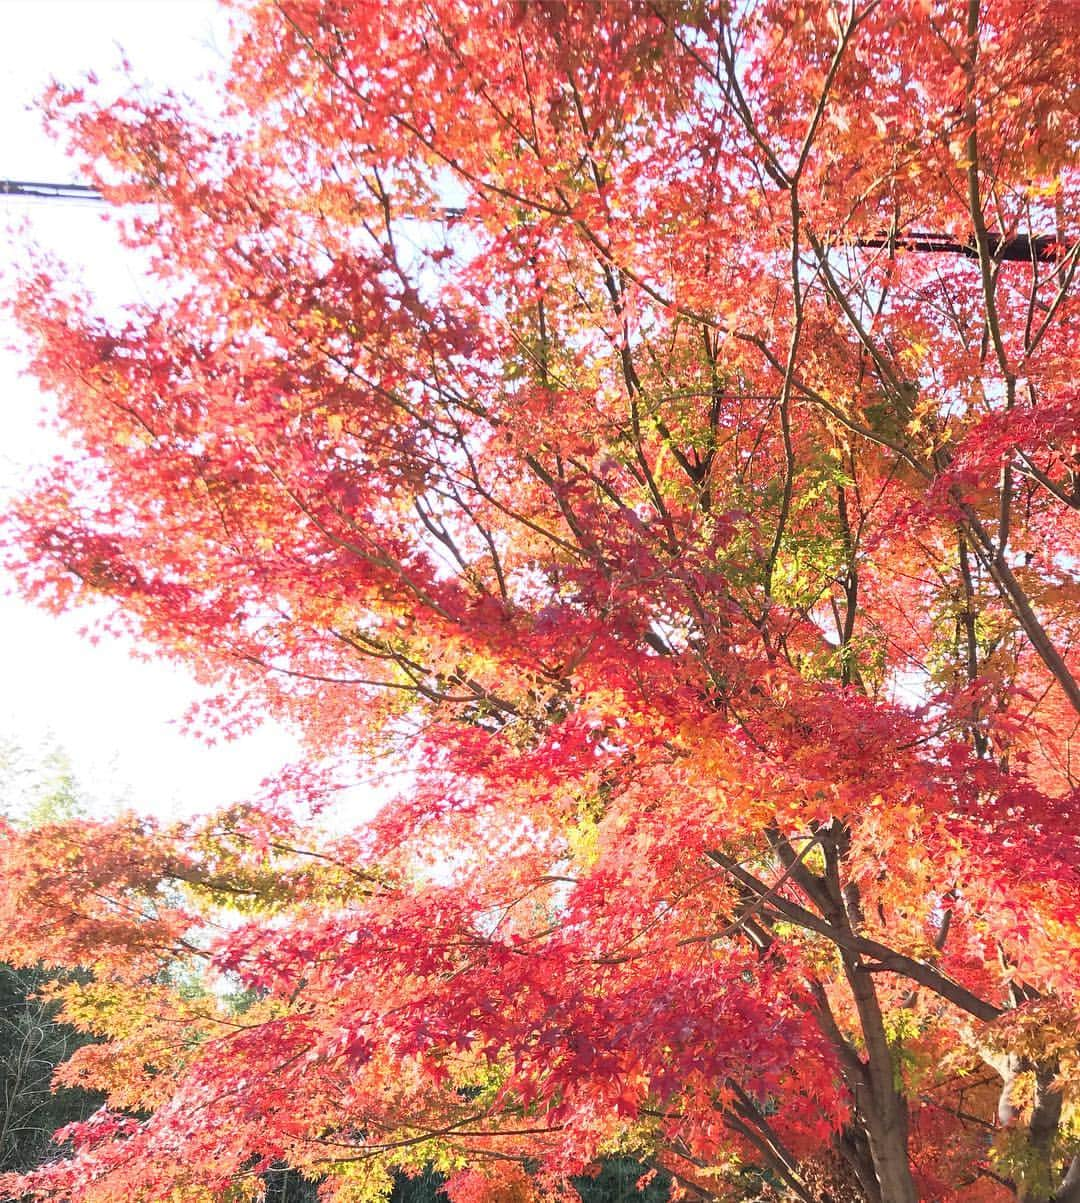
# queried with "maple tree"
point(656, 425)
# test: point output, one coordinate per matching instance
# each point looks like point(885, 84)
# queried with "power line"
point(37, 190)
point(40, 190)
point(1020, 248)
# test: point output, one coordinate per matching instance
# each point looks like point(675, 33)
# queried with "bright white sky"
point(116, 716)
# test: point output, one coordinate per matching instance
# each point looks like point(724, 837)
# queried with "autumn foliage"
point(655, 428)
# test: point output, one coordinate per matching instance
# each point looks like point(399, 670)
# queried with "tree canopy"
point(654, 426)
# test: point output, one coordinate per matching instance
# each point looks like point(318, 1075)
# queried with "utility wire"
point(1023, 248)
point(36, 190)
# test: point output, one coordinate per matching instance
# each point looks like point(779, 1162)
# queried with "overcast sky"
point(117, 716)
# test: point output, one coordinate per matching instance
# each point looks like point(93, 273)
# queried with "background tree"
point(32, 1045)
point(37, 787)
point(696, 516)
